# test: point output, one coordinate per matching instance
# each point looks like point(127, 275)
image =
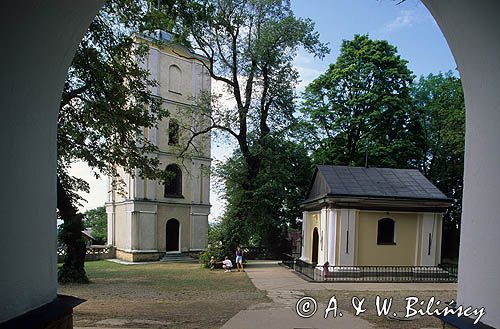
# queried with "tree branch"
point(68, 96)
point(264, 104)
point(204, 131)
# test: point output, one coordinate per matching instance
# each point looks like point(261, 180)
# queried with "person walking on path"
point(239, 259)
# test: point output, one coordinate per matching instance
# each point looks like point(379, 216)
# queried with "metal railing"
point(94, 252)
point(305, 268)
point(250, 252)
point(288, 260)
point(451, 268)
point(440, 273)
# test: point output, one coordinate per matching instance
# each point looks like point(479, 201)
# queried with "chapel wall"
point(313, 221)
point(403, 252)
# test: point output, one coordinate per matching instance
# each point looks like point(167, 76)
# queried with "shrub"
point(216, 250)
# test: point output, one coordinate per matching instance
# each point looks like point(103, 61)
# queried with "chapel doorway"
point(315, 246)
point(172, 235)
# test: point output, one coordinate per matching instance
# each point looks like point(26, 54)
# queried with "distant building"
point(155, 217)
point(357, 216)
point(87, 236)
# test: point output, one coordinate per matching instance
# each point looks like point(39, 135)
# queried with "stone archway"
point(39, 40)
point(472, 30)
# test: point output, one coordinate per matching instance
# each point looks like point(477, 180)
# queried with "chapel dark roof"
point(339, 181)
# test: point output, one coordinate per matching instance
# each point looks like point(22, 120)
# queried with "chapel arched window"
point(386, 231)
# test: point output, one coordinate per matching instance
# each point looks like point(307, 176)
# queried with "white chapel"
point(153, 218)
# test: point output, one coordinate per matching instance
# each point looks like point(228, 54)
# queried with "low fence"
point(440, 273)
point(288, 260)
point(94, 252)
point(452, 269)
point(260, 253)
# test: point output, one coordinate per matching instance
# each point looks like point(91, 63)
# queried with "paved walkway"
point(285, 288)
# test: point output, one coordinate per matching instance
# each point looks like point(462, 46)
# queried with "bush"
point(218, 246)
point(96, 220)
point(215, 250)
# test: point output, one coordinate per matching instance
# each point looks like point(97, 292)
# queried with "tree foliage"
point(361, 106)
point(440, 101)
point(104, 109)
point(250, 46)
point(367, 106)
point(264, 215)
point(96, 221)
point(106, 102)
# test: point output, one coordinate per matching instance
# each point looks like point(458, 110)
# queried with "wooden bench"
point(461, 322)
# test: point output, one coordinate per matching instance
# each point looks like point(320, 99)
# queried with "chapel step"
point(178, 258)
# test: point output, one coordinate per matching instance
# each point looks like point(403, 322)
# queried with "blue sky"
point(408, 26)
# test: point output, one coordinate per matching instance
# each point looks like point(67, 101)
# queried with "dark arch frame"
point(315, 246)
point(172, 235)
point(386, 231)
point(44, 92)
point(173, 185)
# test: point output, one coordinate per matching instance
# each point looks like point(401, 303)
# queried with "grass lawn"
point(160, 295)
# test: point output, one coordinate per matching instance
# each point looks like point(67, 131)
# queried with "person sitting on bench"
point(227, 264)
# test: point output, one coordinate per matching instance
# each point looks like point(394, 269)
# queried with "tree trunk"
point(73, 270)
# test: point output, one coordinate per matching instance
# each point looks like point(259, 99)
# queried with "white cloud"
point(222, 149)
point(220, 88)
point(407, 19)
point(304, 63)
point(98, 187)
point(307, 75)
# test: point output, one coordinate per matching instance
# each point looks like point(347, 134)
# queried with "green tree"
point(439, 99)
point(96, 220)
point(104, 108)
point(361, 106)
point(250, 46)
point(217, 244)
point(273, 205)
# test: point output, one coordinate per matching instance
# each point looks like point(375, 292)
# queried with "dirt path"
point(285, 289)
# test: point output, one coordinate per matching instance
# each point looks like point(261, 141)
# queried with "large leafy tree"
point(273, 206)
point(359, 111)
point(440, 101)
point(250, 46)
point(104, 108)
